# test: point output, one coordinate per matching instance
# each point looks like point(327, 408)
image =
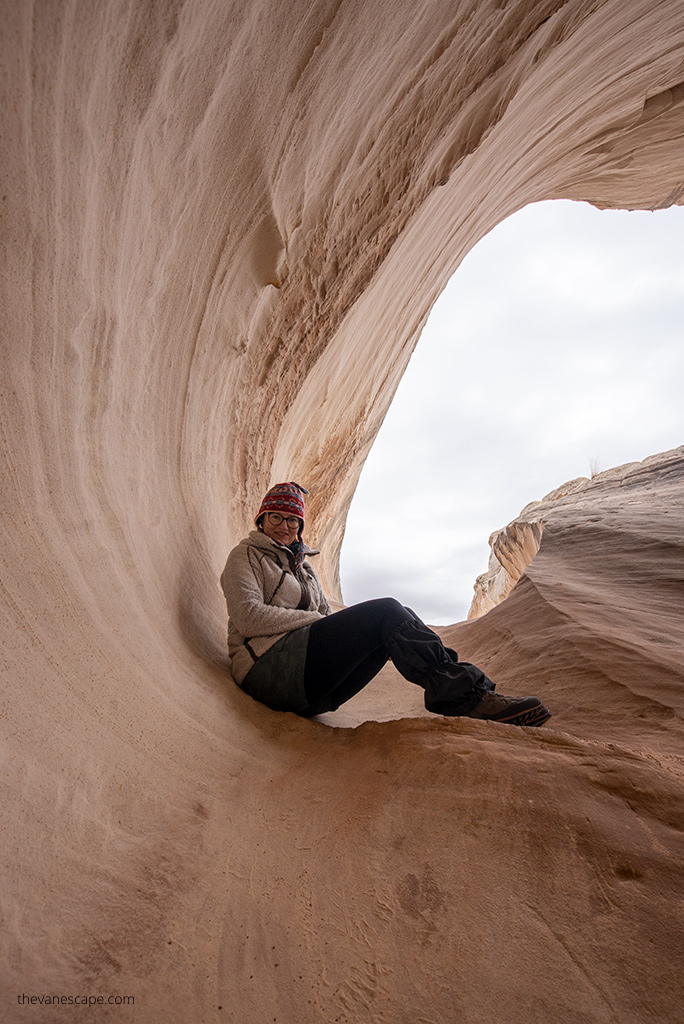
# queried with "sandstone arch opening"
point(553, 353)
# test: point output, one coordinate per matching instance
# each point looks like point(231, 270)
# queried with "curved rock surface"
point(224, 226)
point(514, 547)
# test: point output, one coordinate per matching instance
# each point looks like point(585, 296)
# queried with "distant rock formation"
point(514, 546)
point(512, 550)
point(224, 226)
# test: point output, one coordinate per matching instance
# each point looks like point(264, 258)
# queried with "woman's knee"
point(383, 609)
point(391, 613)
point(390, 605)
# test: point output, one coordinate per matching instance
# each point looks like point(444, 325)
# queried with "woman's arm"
point(324, 605)
point(243, 586)
point(316, 590)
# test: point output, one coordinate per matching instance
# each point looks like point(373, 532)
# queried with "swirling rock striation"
point(223, 227)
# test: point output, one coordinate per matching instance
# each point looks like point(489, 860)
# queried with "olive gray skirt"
point(276, 679)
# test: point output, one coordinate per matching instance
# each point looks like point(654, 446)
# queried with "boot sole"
point(534, 716)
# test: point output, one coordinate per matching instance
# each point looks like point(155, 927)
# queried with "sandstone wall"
point(224, 225)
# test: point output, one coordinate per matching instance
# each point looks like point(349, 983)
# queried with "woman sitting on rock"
point(290, 651)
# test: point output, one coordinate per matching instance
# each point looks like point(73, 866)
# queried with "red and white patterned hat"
point(284, 498)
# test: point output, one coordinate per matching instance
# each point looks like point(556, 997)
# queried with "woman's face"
point(283, 532)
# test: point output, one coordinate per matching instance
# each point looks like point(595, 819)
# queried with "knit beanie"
point(287, 499)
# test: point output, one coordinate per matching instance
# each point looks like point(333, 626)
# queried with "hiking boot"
point(494, 707)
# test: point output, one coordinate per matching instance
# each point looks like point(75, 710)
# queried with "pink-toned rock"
point(224, 226)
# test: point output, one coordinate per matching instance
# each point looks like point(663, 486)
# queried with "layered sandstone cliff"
point(224, 225)
point(513, 547)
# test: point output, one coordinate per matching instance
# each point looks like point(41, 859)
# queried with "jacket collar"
point(257, 539)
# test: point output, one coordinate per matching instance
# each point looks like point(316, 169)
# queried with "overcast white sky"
point(558, 341)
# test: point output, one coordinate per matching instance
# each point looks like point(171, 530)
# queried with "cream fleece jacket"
point(262, 593)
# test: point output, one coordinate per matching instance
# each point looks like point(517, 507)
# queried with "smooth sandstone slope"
point(223, 228)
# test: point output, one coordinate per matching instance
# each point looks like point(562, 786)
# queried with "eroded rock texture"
point(224, 225)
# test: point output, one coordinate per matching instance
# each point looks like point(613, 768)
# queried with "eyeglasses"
point(275, 519)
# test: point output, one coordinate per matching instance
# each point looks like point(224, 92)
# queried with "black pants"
point(347, 649)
